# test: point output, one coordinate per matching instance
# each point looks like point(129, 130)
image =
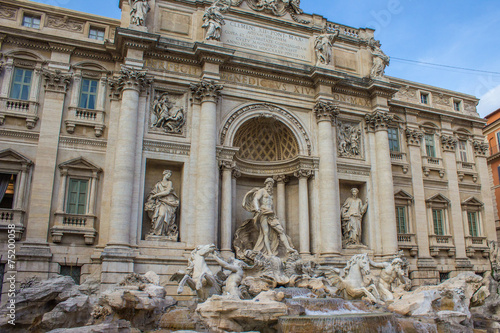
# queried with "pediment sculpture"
point(276, 7)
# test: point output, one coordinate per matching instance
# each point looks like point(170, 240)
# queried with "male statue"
point(390, 272)
point(260, 203)
point(352, 214)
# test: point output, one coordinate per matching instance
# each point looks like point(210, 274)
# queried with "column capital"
point(236, 173)
point(206, 90)
point(132, 79)
point(303, 173)
point(414, 136)
point(56, 81)
point(449, 143)
point(480, 148)
point(326, 111)
point(378, 120)
point(281, 178)
point(227, 165)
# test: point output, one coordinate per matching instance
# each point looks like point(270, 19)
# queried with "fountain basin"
point(354, 322)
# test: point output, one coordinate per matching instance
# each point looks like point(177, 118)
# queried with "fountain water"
point(334, 315)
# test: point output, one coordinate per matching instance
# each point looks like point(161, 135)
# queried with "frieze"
point(19, 135)
point(287, 168)
point(168, 66)
point(64, 23)
point(8, 13)
point(167, 147)
point(406, 92)
point(26, 43)
point(82, 143)
point(271, 108)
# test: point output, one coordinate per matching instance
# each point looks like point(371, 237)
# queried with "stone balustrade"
point(476, 244)
point(408, 242)
point(85, 117)
point(400, 159)
point(343, 30)
point(433, 164)
point(12, 216)
point(27, 110)
point(74, 224)
point(466, 168)
point(441, 242)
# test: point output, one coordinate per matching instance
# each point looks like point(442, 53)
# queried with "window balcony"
point(466, 168)
point(408, 242)
point(432, 164)
point(85, 117)
point(400, 159)
point(16, 108)
point(441, 243)
point(15, 217)
point(476, 244)
point(74, 224)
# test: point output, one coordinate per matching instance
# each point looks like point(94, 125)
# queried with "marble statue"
point(213, 20)
point(259, 201)
point(323, 47)
point(380, 59)
point(494, 256)
point(138, 11)
point(166, 116)
point(355, 282)
point(391, 271)
point(353, 210)
point(233, 281)
point(198, 275)
point(161, 206)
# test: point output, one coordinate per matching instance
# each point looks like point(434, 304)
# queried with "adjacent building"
point(492, 133)
point(94, 110)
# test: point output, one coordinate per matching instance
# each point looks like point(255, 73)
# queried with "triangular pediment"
point(81, 164)
point(12, 156)
point(401, 194)
point(438, 198)
point(472, 201)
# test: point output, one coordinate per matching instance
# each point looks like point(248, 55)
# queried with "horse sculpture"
point(198, 275)
point(355, 283)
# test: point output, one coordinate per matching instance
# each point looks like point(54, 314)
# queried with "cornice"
point(211, 53)
point(167, 147)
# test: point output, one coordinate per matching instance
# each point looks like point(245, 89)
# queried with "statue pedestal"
point(156, 238)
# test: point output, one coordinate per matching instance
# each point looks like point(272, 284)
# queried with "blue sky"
point(458, 33)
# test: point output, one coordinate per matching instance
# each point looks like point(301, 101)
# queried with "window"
point(7, 185)
point(77, 196)
point(401, 219)
point(430, 146)
point(72, 271)
point(498, 169)
point(444, 276)
point(393, 139)
point(472, 218)
point(31, 21)
point(88, 94)
point(457, 105)
point(437, 218)
point(462, 149)
point(96, 33)
point(498, 138)
point(21, 84)
point(424, 98)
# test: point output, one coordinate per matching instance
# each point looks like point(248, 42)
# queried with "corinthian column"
point(206, 93)
point(304, 227)
point(378, 122)
point(329, 201)
point(131, 83)
point(226, 206)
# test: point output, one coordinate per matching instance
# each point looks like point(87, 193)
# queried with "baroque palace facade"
point(224, 96)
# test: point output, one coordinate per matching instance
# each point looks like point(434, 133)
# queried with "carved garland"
point(271, 108)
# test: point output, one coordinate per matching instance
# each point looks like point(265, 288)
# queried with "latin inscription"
point(265, 40)
point(163, 65)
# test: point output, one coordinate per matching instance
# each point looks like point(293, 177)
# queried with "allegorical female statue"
point(161, 205)
point(353, 210)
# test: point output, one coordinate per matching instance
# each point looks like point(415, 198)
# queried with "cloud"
point(489, 102)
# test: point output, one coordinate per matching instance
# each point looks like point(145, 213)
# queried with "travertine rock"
point(452, 295)
point(225, 314)
point(74, 311)
point(119, 326)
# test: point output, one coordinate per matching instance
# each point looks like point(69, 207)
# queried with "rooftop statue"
point(213, 20)
point(138, 11)
point(380, 59)
point(323, 47)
